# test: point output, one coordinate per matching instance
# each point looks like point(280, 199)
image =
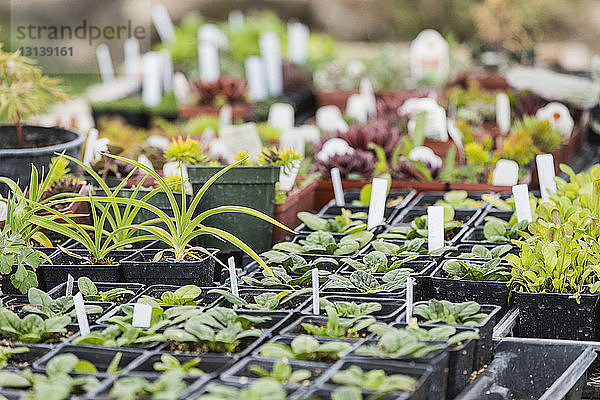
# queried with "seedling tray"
point(211, 365)
point(390, 308)
point(156, 291)
point(60, 290)
point(466, 216)
point(295, 328)
point(427, 199)
point(503, 215)
point(295, 304)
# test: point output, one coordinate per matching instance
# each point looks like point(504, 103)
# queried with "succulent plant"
point(225, 90)
point(360, 163)
point(379, 132)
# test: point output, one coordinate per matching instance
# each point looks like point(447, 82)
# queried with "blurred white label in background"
point(297, 50)
point(270, 51)
point(257, 87)
point(559, 117)
point(429, 56)
point(506, 173)
point(503, 112)
point(281, 116)
point(151, 86)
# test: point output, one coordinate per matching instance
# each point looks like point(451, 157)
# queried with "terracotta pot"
point(299, 199)
point(324, 190)
point(334, 98)
point(238, 111)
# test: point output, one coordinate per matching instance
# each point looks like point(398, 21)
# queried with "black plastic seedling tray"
point(420, 266)
point(466, 216)
point(295, 328)
point(427, 199)
point(27, 360)
point(211, 365)
point(533, 369)
point(390, 308)
point(287, 340)
point(503, 215)
point(248, 294)
point(156, 291)
point(61, 289)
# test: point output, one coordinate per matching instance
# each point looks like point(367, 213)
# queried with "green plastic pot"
point(252, 187)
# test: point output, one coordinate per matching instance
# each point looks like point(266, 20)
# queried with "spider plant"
point(185, 225)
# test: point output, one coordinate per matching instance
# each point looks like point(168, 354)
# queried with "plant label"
point(522, 205)
point(212, 34)
point(545, 169)
point(142, 315)
point(329, 119)
point(132, 60)
point(281, 116)
point(338, 190)
point(225, 116)
point(69, 289)
point(409, 298)
point(257, 87)
point(144, 160)
point(236, 20)
point(558, 115)
point(163, 23)
point(435, 121)
point(503, 112)
point(435, 227)
point(82, 320)
point(429, 56)
point(365, 89)
point(315, 291)
point(243, 137)
point(233, 276)
point(456, 136)
point(287, 178)
point(298, 42)
point(181, 88)
point(310, 133)
point(107, 72)
point(294, 139)
point(151, 85)
point(356, 108)
point(3, 209)
point(377, 205)
point(333, 147)
point(167, 70)
point(506, 173)
point(270, 50)
point(208, 61)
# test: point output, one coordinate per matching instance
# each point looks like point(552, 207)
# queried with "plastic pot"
point(41, 143)
point(476, 236)
point(64, 264)
point(539, 313)
point(252, 187)
point(390, 308)
point(295, 328)
point(466, 216)
point(5, 281)
point(423, 200)
point(527, 369)
point(61, 290)
point(467, 248)
point(240, 373)
point(484, 350)
point(136, 118)
point(205, 300)
point(28, 359)
point(438, 362)
point(248, 294)
point(100, 359)
point(420, 266)
point(503, 215)
point(212, 365)
point(99, 348)
point(287, 340)
point(351, 195)
point(461, 290)
point(141, 269)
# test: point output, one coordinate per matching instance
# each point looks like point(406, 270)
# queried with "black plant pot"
point(61, 290)
point(295, 328)
point(248, 294)
point(140, 268)
point(205, 300)
point(64, 264)
point(211, 365)
point(429, 198)
point(466, 216)
point(7, 285)
point(29, 358)
point(43, 144)
point(332, 210)
point(556, 316)
point(460, 290)
point(503, 215)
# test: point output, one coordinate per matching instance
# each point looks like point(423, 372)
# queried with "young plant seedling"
point(91, 293)
point(265, 301)
point(445, 312)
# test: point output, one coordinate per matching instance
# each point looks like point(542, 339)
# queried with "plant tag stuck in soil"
point(82, 320)
point(70, 281)
point(506, 173)
point(152, 78)
point(209, 61)
point(377, 205)
point(257, 87)
point(298, 42)
point(270, 50)
point(142, 314)
point(409, 298)
point(503, 112)
point(315, 291)
point(435, 227)
point(338, 190)
point(545, 169)
point(232, 276)
point(163, 23)
point(522, 205)
point(105, 64)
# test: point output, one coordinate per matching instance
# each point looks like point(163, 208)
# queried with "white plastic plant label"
point(107, 71)
point(281, 116)
point(435, 122)
point(435, 227)
point(142, 315)
point(338, 190)
point(365, 89)
point(270, 50)
point(409, 298)
point(167, 70)
point(429, 56)
point(506, 173)
point(212, 34)
point(151, 86)
point(558, 115)
point(208, 61)
point(257, 87)
point(522, 205)
point(225, 116)
point(181, 88)
point(243, 137)
point(356, 107)
point(233, 276)
point(82, 320)
point(294, 139)
point(69, 288)
point(315, 291)
point(503, 112)
point(236, 19)
point(287, 178)
point(298, 42)
point(377, 204)
point(329, 119)
point(132, 60)
point(456, 136)
point(545, 169)
point(144, 160)
point(163, 23)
